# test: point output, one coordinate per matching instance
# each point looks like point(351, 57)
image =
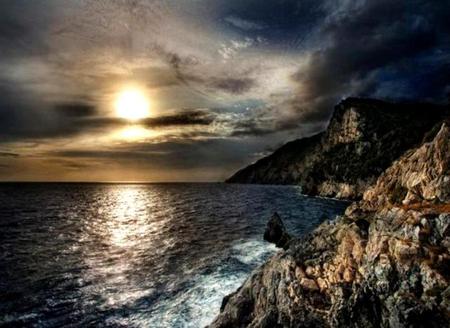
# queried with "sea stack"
point(276, 232)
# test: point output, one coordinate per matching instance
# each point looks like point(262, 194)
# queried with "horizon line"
point(104, 182)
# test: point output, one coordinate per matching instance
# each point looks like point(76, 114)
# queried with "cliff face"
point(385, 263)
point(363, 138)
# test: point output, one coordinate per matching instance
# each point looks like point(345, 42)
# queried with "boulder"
point(276, 232)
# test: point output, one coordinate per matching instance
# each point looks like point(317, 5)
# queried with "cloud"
point(188, 117)
point(282, 19)
point(261, 127)
point(11, 30)
point(75, 110)
point(244, 24)
point(20, 119)
point(17, 35)
point(180, 154)
point(375, 48)
point(265, 70)
point(231, 48)
point(8, 154)
point(233, 85)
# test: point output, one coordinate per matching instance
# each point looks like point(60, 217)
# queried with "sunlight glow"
point(132, 104)
point(132, 133)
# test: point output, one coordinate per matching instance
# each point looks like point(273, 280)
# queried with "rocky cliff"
point(385, 263)
point(363, 138)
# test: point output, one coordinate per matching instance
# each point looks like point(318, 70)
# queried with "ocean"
point(136, 255)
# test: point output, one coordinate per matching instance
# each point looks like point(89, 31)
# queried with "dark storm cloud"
point(250, 129)
point(20, 119)
point(261, 127)
point(187, 117)
point(169, 155)
point(233, 85)
point(23, 26)
point(8, 154)
point(376, 50)
point(11, 30)
point(76, 109)
point(16, 116)
point(277, 20)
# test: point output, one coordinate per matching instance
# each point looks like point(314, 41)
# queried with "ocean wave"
point(155, 256)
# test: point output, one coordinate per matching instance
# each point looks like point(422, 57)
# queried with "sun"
point(132, 105)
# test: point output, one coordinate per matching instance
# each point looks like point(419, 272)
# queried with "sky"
point(224, 81)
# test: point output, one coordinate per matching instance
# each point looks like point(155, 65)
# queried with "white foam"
point(253, 251)
point(200, 304)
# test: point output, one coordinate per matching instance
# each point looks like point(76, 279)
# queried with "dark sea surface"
point(136, 255)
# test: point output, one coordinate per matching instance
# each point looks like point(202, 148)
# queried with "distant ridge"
point(363, 138)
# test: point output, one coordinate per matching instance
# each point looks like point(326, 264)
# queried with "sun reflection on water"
point(121, 232)
point(127, 217)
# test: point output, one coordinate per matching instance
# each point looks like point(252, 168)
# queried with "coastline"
point(363, 138)
point(382, 264)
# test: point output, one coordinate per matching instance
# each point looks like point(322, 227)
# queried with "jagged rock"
point(363, 138)
point(276, 232)
point(382, 264)
point(419, 179)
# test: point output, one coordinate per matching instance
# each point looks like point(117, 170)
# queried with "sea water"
point(136, 255)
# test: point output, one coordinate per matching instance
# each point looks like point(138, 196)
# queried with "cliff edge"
point(385, 263)
point(363, 138)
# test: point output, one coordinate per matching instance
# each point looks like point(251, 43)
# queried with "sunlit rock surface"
point(363, 138)
point(385, 263)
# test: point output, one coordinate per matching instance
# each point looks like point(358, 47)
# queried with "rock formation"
point(276, 232)
point(385, 263)
point(363, 138)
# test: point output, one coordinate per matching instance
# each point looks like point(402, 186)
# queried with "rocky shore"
point(364, 137)
point(385, 263)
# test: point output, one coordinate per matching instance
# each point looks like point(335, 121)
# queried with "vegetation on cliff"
point(363, 138)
